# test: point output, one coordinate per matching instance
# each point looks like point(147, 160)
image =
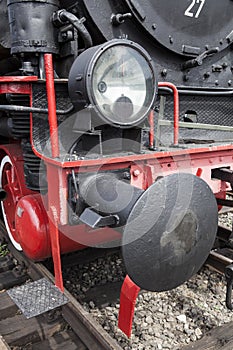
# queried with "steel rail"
point(218, 261)
point(82, 323)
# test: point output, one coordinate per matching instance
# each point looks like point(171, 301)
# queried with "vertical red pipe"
point(52, 116)
point(176, 108)
point(55, 245)
point(53, 216)
point(152, 130)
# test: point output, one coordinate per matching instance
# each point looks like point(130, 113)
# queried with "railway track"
point(219, 338)
point(70, 326)
point(221, 260)
point(67, 327)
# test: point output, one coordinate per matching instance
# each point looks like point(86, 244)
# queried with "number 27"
point(189, 12)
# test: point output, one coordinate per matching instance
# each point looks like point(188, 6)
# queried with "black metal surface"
point(31, 27)
point(20, 121)
point(34, 168)
point(64, 16)
point(198, 61)
point(3, 194)
point(174, 34)
point(5, 126)
point(23, 109)
point(106, 140)
point(5, 40)
point(170, 232)
point(40, 130)
point(224, 174)
point(81, 86)
point(224, 235)
point(106, 194)
point(225, 202)
point(186, 27)
point(229, 278)
point(95, 220)
point(171, 36)
point(209, 108)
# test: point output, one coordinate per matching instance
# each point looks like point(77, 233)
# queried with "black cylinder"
point(107, 195)
point(31, 26)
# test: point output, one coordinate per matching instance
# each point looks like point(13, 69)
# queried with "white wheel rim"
point(4, 161)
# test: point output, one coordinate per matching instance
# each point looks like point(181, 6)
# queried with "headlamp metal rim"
point(89, 78)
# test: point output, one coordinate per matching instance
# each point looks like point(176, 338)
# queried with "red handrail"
point(152, 130)
point(176, 108)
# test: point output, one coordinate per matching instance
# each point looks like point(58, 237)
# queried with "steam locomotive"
point(116, 129)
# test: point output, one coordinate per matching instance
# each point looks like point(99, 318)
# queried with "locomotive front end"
point(113, 87)
point(96, 152)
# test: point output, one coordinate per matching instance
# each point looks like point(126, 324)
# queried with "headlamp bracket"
point(107, 140)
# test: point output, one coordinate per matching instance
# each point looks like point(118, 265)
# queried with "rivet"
point(206, 75)
point(164, 73)
point(136, 173)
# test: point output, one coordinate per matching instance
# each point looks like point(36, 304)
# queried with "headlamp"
point(117, 79)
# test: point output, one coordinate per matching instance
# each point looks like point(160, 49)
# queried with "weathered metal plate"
point(37, 297)
point(170, 232)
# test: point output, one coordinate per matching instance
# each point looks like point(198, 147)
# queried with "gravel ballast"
point(167, 320)
point(171, 319)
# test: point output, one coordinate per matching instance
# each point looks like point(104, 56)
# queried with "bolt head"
point(136, 173)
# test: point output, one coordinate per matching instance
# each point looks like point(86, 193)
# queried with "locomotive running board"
point(36, 298)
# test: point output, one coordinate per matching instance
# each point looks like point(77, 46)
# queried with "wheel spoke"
point(10, 176)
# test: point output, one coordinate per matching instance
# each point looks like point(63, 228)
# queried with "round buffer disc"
point(170, 232)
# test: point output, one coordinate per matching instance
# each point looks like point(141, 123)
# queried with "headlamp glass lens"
point(122, 85)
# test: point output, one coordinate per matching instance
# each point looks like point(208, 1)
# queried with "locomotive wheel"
point(10, 183)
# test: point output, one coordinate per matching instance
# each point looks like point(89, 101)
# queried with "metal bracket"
point(95, 220)
point(198, 61)
point(223, 174)
point(119, 18)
